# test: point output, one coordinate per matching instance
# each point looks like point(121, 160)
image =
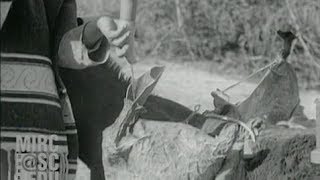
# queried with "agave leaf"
point(144, 85)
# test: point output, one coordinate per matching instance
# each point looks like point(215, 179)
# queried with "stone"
point(315, 154)
point(288, 157)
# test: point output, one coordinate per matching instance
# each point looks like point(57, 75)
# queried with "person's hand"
point(120, 35)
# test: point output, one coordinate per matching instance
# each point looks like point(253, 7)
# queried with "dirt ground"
point(191, 84)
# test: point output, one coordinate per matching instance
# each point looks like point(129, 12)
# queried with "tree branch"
point(299, 35)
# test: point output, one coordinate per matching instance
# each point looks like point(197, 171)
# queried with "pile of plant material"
point(138, 149)
point(222, 143)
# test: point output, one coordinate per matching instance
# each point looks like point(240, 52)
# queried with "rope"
point(223, 118)
point(194, 112)
point(132, 82)
point(250, 76)
point(229, 119)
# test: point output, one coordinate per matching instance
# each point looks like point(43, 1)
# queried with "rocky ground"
point(289, 155)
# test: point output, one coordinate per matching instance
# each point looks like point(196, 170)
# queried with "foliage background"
point(237, 35)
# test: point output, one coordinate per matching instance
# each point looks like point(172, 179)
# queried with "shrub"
point(214, 29)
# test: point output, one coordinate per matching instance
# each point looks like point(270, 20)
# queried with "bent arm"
point(75, 54)
point(80, 46)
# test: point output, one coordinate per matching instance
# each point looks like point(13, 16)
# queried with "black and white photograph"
point(160, 90)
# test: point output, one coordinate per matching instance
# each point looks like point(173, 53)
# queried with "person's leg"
point(90, 152)
point(97, 170)
point(4, 165)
